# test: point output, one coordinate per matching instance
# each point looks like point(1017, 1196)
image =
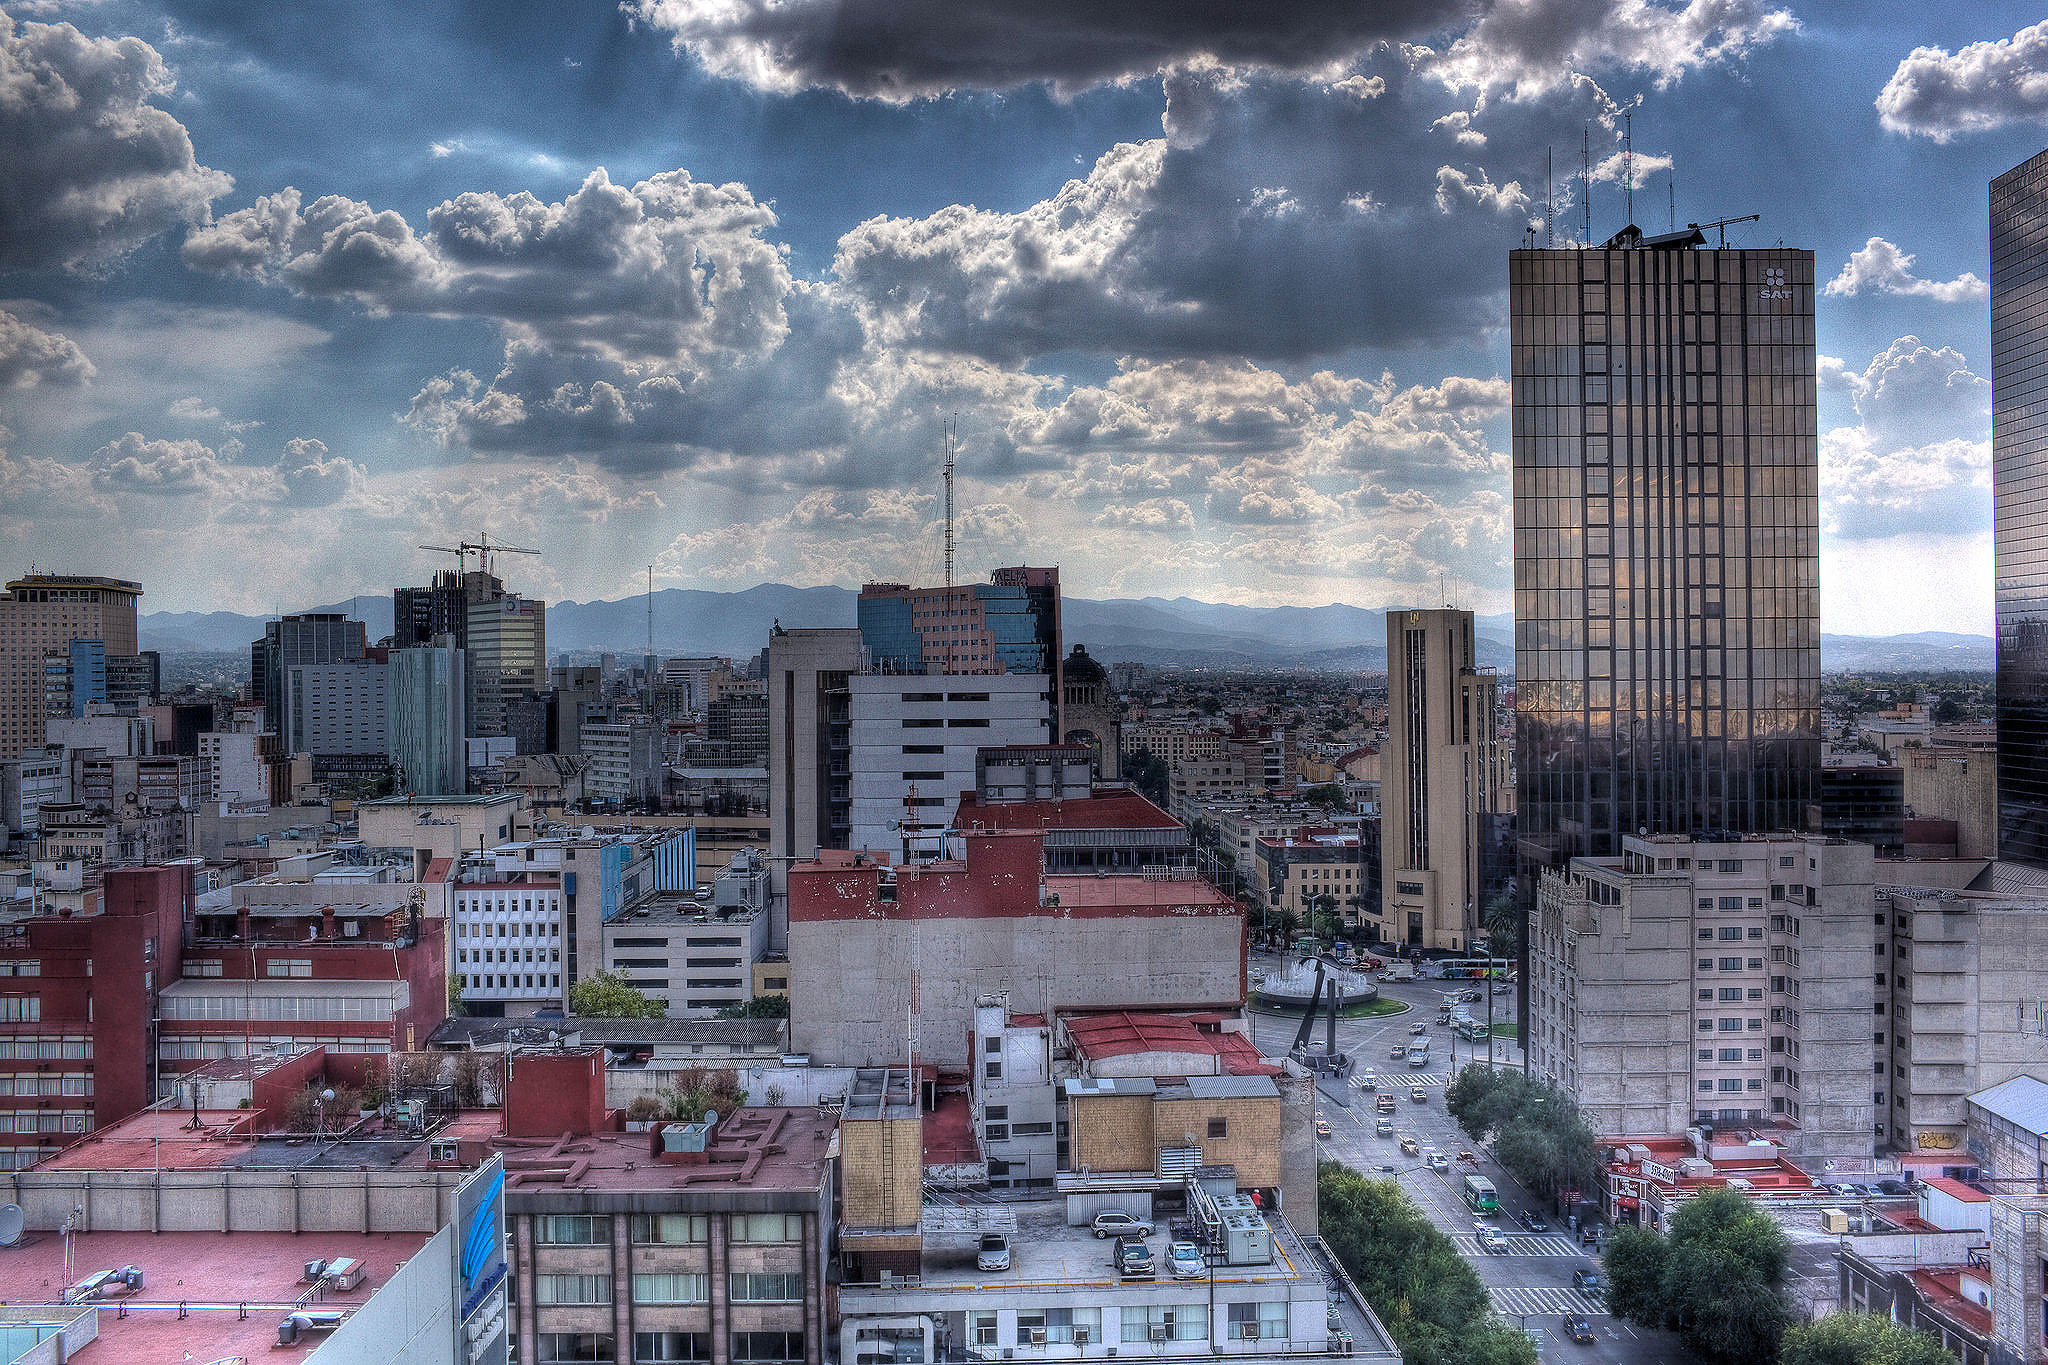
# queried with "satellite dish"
point(10, 1224)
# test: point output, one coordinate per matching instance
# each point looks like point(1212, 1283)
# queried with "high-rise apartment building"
point(319, 637)
point(1444, 786)
point(507, 653)
point(2019, 502)
point(336, 711)
point(45, 612)
point(810, 800)
point(441, 608)
point(1667, 573)
point(1010, 624)
point(428, 700)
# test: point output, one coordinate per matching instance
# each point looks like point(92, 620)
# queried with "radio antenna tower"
point(1586, 182)
point(650, 615)
point(951, 430)
point(1547, 205)
point(1628, 164)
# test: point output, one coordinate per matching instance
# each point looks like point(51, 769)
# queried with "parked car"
point(1892, 1187)
point(1492, 1240)
point(1322, 1128)
point(1535, 1222)
point(1588, 1282)
point(1133, 1259)
point(1385, 1128)
point(1184, 1261)
point(994, 1253)
point(1578, 1329)
point(1117, 1223)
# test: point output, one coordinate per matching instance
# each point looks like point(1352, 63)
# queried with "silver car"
point(994, 1253)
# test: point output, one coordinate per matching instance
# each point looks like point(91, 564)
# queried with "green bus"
point(1480, 1195)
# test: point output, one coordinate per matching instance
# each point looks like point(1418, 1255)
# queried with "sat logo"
point(1774, 284)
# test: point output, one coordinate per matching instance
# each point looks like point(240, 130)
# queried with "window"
point(20, 1009)
point(994, 1069)
point(1706, 1054)
point(1219, 1128)
point(552, 1290)
point(670, 1348)
point(671, 1288)
point(670, 1229)
point(1731, 1054)
point(1706, 993)
point(1731, 964)
point(1068, 1325)
point(752, 1287)
point(283, 966)
point(575, 1348)
point(1730, 1025)
point(572, 1229)
point(1731, 993)
point(771, 1346)
point(1166, 1322)
point(1731, 864)
point(767, 1227)
point(1706, 964)
point(982, 1325)
point(1257, 1322)
point(1729, 1085)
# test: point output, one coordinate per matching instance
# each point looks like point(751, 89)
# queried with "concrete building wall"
point(914, 742)
point(42, 612)
point(1110, 1133)
point(808, 739)
point(1959, 785)
point(1250, 1139)
point(883, 1164)
point(854, 975)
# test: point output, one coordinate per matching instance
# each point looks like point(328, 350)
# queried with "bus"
point(1471, 1030)
point(1480, 1195)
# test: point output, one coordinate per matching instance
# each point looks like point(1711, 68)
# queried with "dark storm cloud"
point(92, 168)
point(912, 49)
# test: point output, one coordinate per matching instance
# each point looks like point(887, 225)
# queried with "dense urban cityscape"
point(1483, 917)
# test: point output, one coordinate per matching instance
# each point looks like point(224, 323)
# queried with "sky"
point(1213, 293)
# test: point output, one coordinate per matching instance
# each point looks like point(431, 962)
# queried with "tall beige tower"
point(49, 611)
point(1442, 778)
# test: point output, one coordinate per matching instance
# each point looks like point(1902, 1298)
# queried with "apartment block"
point(507, 932)
point(42, 612)
point(1723, 982)
point(809, 743)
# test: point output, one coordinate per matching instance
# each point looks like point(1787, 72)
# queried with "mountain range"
point(1150, 630)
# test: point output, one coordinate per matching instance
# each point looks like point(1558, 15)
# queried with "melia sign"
point(480, 1269)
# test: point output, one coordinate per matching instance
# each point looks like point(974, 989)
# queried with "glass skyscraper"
point(2019, 502)
point(1667, 528)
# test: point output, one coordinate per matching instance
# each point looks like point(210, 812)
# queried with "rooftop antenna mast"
point(1723, 224)
point(1671, 221)
point(951, 431)
point(1547, 205)
point(650, 616)
point(1628, 165)
point(1586, 181)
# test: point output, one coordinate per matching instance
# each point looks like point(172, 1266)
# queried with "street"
point(1531, 1283)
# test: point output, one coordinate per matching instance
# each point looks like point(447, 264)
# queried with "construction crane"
point(483, 547)
point(1725, 223)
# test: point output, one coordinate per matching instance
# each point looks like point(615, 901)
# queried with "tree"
point(1150, 774)
point(1714, 1278)
point(1503, 920)
point(608, 995)
point(1326, 794)
point(760, 1007)
point(454, 994)
point(1860, 1339)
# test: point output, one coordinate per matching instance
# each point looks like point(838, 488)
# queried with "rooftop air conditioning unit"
point(310, 1320)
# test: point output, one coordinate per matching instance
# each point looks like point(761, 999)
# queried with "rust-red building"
point(77, 1008)
point(358, 978)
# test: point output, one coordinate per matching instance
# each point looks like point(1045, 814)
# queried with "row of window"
point(20, 1009)
point(292, 1008)
point(42, 1121)
point(664, 1229)
point(523, 929)
point(558, 1291)
point(1731, 964)
point(48, 1083)
point(666, 1348)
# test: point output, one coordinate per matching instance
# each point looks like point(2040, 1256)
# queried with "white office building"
point(914, 739)
point(508, 939)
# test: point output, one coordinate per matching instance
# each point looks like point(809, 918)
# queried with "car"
point(1418, 1094)
point(1503, 990)
point(1133, 1259)
point(1398, 1051)
point(994, 1253)
point(1534, 1221)
point(1322, 1128)
point(1117, 1223)
point(1892, 1187)
point(1385, 1104)
point(1410, 1147)
point(1439, 1162)
point(1368, 1080)
point(1578, 1329)
point(1416, 1030)
point(1492, 1240)
point(1384, 1128)
point(1184, 1261)
point(1588, 1282)
point(1841, 1187)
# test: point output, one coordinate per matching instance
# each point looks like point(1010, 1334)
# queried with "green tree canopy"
point(1715, 1278)
point(1860, 1339)
point(760, 1007)
point(608, 995)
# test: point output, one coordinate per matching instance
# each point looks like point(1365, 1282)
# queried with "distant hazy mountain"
point(1151, 630)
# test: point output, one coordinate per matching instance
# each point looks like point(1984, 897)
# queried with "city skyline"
point(647, 286)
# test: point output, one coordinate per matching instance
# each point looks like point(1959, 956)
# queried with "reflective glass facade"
point(1667, 576)
point(2019, 500)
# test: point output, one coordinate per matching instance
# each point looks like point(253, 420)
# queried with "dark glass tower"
point(1667, 528)
point(2019, 502)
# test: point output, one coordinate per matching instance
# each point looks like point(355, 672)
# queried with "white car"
point(1492, 1239)
point(994, 1253)
point(1117, 1223)
point(1184, 1261)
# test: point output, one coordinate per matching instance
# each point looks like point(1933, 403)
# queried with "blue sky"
point(1216, 291)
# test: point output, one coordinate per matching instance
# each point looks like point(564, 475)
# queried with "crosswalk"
point(1519, 1244)
point(1387, 1082)
point(1557, 1302)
